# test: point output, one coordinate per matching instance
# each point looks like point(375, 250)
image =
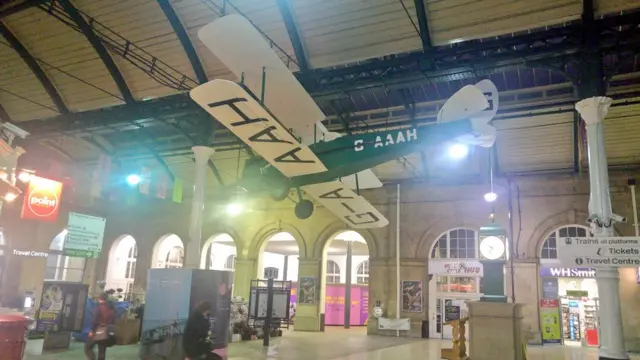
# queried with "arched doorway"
point(345, 271)
point(168, 253)
point(280, 251)
point(60, 267)
point(449, 294)
point(219, 253)
point(121, 268)
point(576, 288)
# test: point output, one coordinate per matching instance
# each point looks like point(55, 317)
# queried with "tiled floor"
point(337, 344)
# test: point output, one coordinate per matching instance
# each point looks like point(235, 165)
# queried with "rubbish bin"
point(13, 330)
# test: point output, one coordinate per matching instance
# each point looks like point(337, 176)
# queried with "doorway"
point(447, 309)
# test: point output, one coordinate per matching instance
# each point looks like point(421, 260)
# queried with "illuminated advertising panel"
point(42, 200)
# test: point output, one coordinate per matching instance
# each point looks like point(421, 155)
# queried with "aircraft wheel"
point(304, 209)
point(279, 195)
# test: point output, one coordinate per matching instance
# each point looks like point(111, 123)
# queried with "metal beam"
point(82, 24)
point(4, 115)
point(19, 7)
point(294, 35)
point(35, 67)
point(180, 31)
point(423, 24)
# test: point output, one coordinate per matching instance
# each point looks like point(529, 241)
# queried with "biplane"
point(273, 114)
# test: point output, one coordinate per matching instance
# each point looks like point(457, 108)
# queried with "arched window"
point(333, 272)
point(60, 267)
point(456, 244)
point(362, 273)
point(549, 249)
point(168, 253)
point(230, 264)
point(121, 268)
point(174, 258)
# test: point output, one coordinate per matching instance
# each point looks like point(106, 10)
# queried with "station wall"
point(540, 205)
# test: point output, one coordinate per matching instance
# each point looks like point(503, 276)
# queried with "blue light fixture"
point(133, 179)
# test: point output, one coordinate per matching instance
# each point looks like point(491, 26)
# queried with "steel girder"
point(553, 48)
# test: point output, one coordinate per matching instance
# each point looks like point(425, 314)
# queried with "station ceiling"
point(90, 77)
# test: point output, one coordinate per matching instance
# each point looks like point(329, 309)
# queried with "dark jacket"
point(194, 339)
point(103, 314)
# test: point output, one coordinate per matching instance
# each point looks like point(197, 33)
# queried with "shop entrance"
point(445, 310)
point(572, 299)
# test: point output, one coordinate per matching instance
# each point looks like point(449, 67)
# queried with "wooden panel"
point(613, 6)
point(142, 22)
point(535, 143)
point(337, 32)
point(621, 130)
point(458, 20)
point(74, 67)
point(21, 94)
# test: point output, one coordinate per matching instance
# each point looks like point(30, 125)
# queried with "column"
point(593, 111)
point(192, 258)
point(242, 276)
point(347, 288)
point(307, 314)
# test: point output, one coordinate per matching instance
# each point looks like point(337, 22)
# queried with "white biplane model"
point(284, 127)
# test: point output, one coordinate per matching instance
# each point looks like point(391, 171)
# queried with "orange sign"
point(42, 200)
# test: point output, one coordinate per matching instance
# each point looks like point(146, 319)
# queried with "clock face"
point(492, 248)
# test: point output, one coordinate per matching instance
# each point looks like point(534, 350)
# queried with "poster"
point(412, 296)
point(335, 306)
point(42, 200)
point(85, 235)
point(550, 321)
point(61, 307)
point(307, 290)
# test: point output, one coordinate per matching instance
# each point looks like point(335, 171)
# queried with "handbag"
point(105, 334)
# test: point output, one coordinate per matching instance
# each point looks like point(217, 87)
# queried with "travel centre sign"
point(30, 253)
point(599, 251)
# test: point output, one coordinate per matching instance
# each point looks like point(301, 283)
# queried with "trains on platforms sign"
point(600, 252)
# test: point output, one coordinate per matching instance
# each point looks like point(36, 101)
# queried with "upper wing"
point(235, 108)
point(353, 209)
point(241, 48)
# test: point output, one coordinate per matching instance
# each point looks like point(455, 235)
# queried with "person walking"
point(196, 337)
point(102, 331)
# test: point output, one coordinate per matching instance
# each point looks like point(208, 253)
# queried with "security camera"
point(592, 218)
point(619, 218)
point(631, 181)
point(15, 130)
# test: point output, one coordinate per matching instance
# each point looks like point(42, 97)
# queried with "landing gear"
point(304, 208)
point(279, 194)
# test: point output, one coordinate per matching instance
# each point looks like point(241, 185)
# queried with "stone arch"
point(335, 228)
point(531, 249)
point(159, 243)
point(261, 237)
point(210, 241)
point(441, 226)
point(237, 241)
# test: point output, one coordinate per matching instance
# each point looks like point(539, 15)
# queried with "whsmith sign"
point(600, 251)
point(546, 271)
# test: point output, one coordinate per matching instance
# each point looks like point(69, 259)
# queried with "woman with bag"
point(102, 329)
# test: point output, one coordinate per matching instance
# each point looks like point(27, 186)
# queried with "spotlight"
point(234, 209)
point(490, 196)
point(24, 176)
point(9, 197)
point(133, 179)
point(458, 151)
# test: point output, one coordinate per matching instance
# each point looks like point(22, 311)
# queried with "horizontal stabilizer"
point(352, 208)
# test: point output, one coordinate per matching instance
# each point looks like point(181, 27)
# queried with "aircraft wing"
point(285, 98)
point(353, 209)
point(238, 110)
point(242, 49)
